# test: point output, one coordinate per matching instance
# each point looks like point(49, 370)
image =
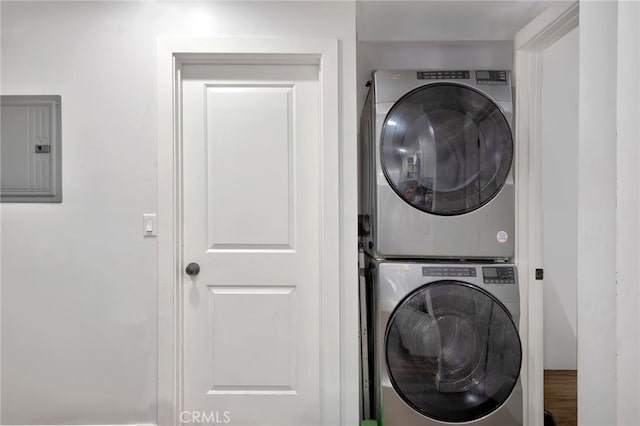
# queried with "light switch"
point(149, 225)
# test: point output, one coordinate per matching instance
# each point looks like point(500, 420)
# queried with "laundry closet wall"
point(560, 201)
point(78, 279)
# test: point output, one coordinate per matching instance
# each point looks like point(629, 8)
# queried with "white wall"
point(78, 280)
point(560, 200)
point(628, 215)
point(609, 214)
point(597, 317)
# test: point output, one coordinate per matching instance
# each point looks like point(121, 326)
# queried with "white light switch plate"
point(149, 225)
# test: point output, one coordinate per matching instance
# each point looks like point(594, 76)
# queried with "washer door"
point(453, 352)
point(446, 149)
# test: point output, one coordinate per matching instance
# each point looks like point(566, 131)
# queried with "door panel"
point(250, 166)
point(251, 221)
point(238, 354)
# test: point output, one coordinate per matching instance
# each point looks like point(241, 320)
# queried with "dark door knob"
point(192, 269)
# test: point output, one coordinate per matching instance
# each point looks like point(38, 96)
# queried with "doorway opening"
point(560, 65)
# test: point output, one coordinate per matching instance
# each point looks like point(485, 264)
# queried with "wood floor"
point(561, 396)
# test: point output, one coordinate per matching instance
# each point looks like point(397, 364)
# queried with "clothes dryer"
point(447, 347)
point(436, 159)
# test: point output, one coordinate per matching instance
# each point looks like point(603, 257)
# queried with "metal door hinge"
point(364, 225)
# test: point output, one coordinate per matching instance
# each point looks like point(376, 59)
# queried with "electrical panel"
point(30, 149)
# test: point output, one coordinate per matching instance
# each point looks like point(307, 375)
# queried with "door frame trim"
point(172, 53)
point(529, 45)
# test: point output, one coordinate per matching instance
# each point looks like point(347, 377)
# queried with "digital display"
point(499, 275)
point(490, 272)
point(492, 77)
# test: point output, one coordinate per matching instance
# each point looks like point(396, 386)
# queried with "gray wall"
point(78, 279)
point(560, 201)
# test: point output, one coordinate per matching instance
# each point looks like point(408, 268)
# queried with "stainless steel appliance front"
point(436, 165)
point(447, 348)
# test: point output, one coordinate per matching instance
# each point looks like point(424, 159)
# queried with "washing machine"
point(447, 348)
point(436, 154)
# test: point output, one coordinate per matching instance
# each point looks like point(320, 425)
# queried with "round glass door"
point(453, 352)
point(446, 149)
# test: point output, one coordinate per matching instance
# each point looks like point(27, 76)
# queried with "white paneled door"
point(252, 222)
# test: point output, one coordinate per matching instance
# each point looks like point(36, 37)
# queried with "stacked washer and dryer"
point(437, 225)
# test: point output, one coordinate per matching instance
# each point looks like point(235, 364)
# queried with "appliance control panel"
point(448, 271)
point(443, 75)
point(499, 275)
point(491, 77)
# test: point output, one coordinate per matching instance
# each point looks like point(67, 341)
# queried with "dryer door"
point(452, 351)
point(446, 149)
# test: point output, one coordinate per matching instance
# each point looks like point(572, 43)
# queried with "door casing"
point(172, 54)
point(529, 44)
